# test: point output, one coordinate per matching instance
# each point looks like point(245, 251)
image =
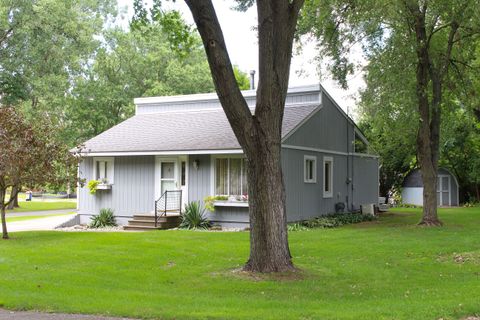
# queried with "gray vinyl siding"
point(365, 181)
point(235, 216)
point(305, 200)
point(199, 179)
point(131, 193)
point(327, 129)
point(308, 97)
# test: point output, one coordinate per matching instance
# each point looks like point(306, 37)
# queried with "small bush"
point(210, 200)
point(104, 219)
point(296, 227)
point(471, 204)
point(92, 186)
point(331, 221)
point(194, 217)
point(408, 206)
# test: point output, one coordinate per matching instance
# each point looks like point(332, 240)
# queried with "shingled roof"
point(181, 131)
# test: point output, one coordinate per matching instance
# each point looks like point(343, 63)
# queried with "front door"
point(171, 174)
point(168, 179)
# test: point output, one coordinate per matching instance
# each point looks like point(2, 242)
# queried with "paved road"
point(29, 315)
point(39, 213)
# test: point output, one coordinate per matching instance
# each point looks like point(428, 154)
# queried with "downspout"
point(348, 180)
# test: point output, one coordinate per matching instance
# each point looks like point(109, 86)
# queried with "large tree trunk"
point(269, 251)
point(428, 132)
point(258, 134)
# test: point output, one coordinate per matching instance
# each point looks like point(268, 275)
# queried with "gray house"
point(447, 188)
point(182, 149)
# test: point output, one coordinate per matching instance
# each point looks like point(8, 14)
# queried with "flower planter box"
point(104, 187)
point(231, 204)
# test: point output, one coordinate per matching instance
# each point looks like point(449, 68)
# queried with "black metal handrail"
point(170, 200)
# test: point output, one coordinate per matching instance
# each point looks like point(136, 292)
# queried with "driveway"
point(49, 223)
point(28, 315)
point(39, 213)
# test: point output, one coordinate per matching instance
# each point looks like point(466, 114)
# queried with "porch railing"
point(169, 201)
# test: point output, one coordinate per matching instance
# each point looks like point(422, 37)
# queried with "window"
point(327, 177)
point(310, 169)
point(183, 173)
point(231, 176)
point(103, 169)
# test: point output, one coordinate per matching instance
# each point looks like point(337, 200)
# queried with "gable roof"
point(206, 130)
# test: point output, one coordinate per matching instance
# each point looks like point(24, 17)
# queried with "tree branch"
point(231, 98)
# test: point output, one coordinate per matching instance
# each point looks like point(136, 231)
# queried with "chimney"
point(252, 79)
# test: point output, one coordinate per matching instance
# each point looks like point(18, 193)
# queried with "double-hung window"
point(103, 169)
point(231, 176)
point(327, 177)
point(310, 169)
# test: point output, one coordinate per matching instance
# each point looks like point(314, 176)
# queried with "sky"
point(242, 45)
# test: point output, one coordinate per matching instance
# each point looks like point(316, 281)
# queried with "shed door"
point(443, 190)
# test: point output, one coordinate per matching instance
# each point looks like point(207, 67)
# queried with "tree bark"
point(13, 201)
point(258, 134)
point(2, 214)
point(428, 132)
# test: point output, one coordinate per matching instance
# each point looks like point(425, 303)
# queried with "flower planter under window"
point(231, 204)
point(104, 186)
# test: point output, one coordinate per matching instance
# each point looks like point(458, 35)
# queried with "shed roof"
point(181, 131)
point(414, 178)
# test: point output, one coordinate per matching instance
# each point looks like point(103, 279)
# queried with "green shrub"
point(331, 221)
point(194, 217)
point(104, 219)
point(210, 200)
point(92, 186)
point(471, 204)
point(296, 227)
point(407, 205)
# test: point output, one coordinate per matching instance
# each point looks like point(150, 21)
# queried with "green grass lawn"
point(388, 269)
point(44, 205)
point(23, 218)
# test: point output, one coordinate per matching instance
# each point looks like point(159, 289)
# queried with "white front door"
point(171, 174)
point(168, 176)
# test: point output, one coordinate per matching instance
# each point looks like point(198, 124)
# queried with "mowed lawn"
point(44, 205)
point(390, 269)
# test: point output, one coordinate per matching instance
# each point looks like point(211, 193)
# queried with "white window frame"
point(214, 172)
point(328, 194)
point(110, 168)
point(306, 159)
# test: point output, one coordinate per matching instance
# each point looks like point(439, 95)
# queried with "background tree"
point(428, 38)
point(158, 56)
point(43, 45)
point(28, 156)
